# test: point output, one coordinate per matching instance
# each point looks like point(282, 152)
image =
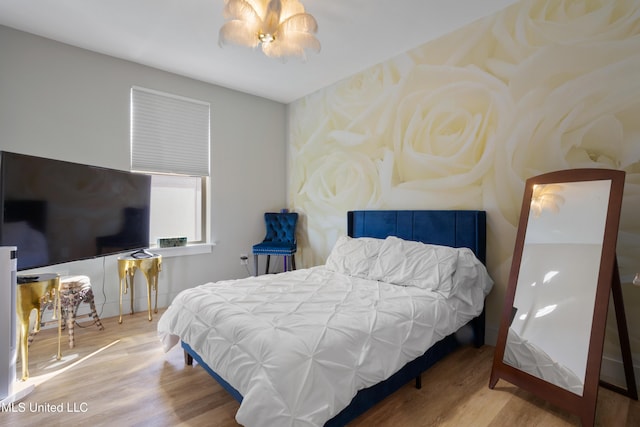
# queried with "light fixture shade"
point(280, 27)
point(546, 197)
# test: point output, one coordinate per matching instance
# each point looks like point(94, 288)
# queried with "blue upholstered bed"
point(456, 228)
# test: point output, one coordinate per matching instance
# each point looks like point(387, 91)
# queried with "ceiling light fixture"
point(546, 197)
point(280, 27)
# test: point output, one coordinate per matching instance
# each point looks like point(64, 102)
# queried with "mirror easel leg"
point(623, 334)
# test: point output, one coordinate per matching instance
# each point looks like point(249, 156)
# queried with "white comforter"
point(299, 345)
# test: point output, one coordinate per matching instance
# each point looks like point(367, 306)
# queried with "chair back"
point(281, 227)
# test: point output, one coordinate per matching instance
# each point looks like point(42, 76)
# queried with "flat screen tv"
point(56, 211)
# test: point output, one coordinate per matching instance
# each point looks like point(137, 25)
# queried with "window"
point(170, 140)
point(177, 207)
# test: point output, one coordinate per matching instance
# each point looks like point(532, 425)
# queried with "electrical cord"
point(104, 294)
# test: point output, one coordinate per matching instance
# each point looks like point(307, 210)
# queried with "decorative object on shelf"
point(281, 28)
point(636, 280)
point(172, 242)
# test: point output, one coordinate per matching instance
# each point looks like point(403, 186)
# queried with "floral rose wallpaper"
point(461, 122)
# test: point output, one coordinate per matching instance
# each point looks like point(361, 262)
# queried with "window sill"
point(190, 249)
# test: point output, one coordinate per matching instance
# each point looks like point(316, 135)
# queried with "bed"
point(320, 346)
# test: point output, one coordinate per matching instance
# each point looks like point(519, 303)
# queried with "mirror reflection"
point(556, 287)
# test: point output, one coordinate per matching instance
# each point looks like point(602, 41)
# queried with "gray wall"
point(63, 102)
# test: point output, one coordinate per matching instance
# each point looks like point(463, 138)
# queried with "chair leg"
point(36, 326)
point(94, 313)
point(69, 311)
point(293, 261)
point(255, 265)
point(71, 321)
point(266, 270)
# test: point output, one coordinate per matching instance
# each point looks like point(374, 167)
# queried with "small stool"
point(73, 291)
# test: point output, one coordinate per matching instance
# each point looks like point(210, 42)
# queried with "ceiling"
point(181, 36)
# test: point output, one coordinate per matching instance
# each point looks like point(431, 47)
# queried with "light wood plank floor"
point(120, 376)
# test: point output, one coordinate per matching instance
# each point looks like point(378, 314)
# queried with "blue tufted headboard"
point(455, 228)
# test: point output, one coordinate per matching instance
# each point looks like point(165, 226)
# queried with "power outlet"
point(244, 259)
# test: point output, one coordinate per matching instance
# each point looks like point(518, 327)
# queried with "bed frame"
point(455, 228)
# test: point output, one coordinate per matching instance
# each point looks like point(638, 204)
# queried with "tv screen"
point(56, 211)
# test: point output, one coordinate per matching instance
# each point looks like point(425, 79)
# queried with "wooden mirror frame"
point(608, 282)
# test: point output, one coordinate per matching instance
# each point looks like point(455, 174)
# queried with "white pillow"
point(354, 256)
point(408, 263)
point(471, 279)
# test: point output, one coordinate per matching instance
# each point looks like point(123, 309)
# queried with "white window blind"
point(169, 133)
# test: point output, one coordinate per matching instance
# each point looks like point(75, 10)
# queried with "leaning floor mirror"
point(564, 270)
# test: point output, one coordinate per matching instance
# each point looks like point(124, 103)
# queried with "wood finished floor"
point(121, 376)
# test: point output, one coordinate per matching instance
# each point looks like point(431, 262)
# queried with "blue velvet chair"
point(279, 240)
